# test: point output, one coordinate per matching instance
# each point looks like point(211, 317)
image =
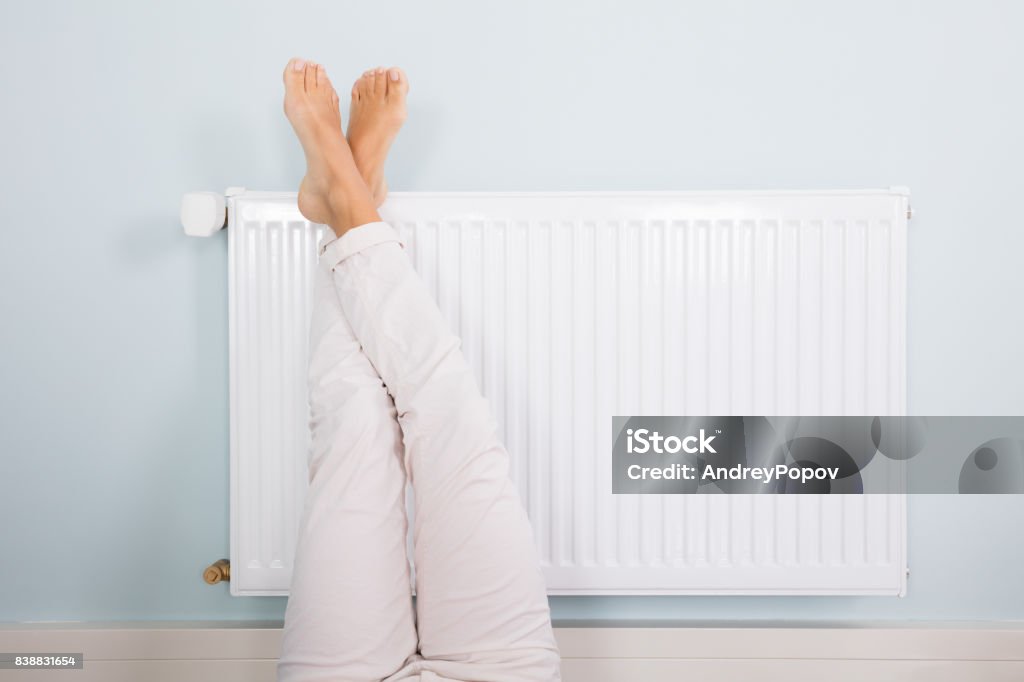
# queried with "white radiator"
point(576, 307)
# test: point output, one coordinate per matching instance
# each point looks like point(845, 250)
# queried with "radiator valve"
point(203, 213)
point(217, 571)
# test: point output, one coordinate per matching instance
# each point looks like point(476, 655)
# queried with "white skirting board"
point(777, 652)
point(573, 308)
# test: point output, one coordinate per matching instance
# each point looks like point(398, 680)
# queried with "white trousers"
point(392, 397)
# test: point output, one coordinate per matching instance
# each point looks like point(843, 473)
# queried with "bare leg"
point(376, 115)
point(350, 614)
point(333, 192)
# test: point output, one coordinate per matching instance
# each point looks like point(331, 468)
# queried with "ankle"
point(350, 205)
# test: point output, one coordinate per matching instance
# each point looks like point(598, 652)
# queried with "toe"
point(398, 84)
point(322, 81)
point(310, 76)
point(365, 85)
point(293, 73)
point(380, 81)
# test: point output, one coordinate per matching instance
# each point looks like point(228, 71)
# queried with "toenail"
point(394, 74)
point(298, 64)
point(380, 70)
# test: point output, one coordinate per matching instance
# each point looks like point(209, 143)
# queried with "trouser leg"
point(482, 610)
point(349, 615)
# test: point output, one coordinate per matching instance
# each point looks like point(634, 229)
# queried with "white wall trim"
point(235, 651)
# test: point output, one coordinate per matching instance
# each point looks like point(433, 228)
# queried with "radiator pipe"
point(217, 571)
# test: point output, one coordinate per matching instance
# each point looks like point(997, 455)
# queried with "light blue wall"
point(113, 438)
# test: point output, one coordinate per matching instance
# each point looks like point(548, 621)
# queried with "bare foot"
point(375, 117)
point(332, 192)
